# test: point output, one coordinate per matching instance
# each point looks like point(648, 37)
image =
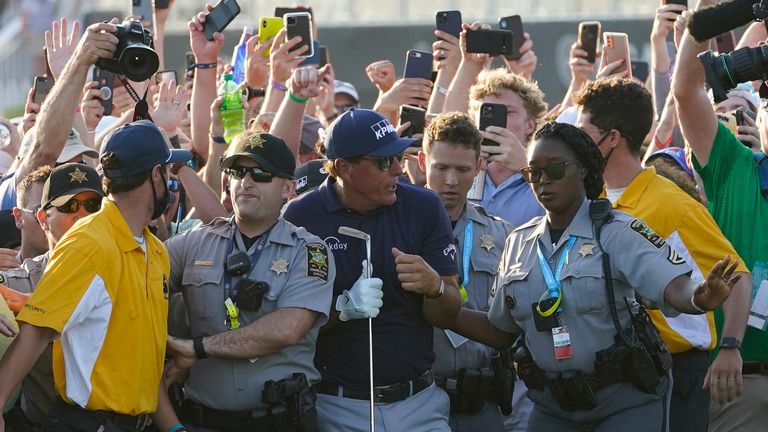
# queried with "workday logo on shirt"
point(382, 128)
point(335, 244)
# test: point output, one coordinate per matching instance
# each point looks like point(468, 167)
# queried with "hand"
point(510, 152)
point(446, 51)
point(205, 51)
point(256, 65)
point(414, 274)
point(664, 22)
point(121, 101)
point(170, 107)
point(406, 91)
point(479, 60)
point(717, 287)
point(173, 373)
point(325, 98)
point(581, 69)
point(724, 376)
point(364, 299)
point(305, 81)
point(8, 328)
point(217, 125)
point(526, 64)
point(90, 106)
point(8, 259)
point(608, 71)
point(182, 351)
point(31, 110)
point(681, 23)
point(282, 60)
point(97, 42)
point(749, 134)
point(58, 47)
point(382, 74)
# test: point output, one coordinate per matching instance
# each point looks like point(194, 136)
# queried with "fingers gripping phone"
point(492, 115)
point(106, 85)
point(492, 42)
point(418, 64)
point(219, 17)
point(449, 22)
point(299, 24)
point(617, 48)
point(589, 34)
point(416, 116)
point(43, 85)
point(514, 24)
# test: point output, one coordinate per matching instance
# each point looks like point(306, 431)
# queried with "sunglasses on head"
point(257, 174)
point(555, 171)
point(92, 205)
point(385, 162)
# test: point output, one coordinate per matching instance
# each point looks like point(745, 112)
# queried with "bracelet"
point(662, 145)
point(442, 90)
point(254, 92)
point(197, 343)
point(202, 66)
point(440, 291)
point(218, 139)
point(279, 86)
point(177, 427)
point(296, 98)
point(695, 306)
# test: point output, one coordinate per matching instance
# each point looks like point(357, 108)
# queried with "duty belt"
point(381, 394)
point(135, 422)
point(200, 415)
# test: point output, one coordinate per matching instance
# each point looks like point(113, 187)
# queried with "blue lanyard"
point(553, 281)
point(467, 252)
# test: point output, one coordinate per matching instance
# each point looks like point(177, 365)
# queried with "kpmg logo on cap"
point(382, 128)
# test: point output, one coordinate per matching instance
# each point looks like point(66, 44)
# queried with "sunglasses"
point(257, 174)
point(174, 185)
point(555, 171)
point(385, 162)
point(91, 205)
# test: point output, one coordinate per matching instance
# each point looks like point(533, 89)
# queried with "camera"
point(291, 20)
point(442, 18)
point(134, 56)
point(725, 71)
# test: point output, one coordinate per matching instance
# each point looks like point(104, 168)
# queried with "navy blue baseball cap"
point(360, 132)
point(139, 146)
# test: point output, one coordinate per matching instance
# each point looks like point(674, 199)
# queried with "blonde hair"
point(494, 81)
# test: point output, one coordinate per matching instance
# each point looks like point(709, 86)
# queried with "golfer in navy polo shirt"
point(413, 285)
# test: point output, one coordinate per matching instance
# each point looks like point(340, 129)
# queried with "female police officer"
point(588, 366)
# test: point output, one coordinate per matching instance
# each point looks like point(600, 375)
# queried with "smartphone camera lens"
point(264, 24)
point(503, 24)
point(291, 20)
point(487, 111)
point(442, 18)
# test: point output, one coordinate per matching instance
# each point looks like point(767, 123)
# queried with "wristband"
point(662, 145)
point(442, 90)
point(197, 343)
point(218, 139)
point(440, 291)
point(176, 428)
point(202, 66)
point(254, 92)
point(296, 98)
point(695, 306)
point(276, 85)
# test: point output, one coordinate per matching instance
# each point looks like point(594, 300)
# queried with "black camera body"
point(134, 56)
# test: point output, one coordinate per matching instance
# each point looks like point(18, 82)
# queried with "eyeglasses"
point(174, 185)
point(342, 108)
point(30, 211)
point(91, 205)
point(385, 162)
point(555, 171)
point(257, 174)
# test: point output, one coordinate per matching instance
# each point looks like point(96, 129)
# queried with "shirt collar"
point(329, 196)
point(580, 226)
point(123, 234)
point(279, 233)
point(631, 196)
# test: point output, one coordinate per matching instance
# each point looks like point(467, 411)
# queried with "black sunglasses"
point(555, 171)
point(257, 174)
point(91, 205)
point(385, 162)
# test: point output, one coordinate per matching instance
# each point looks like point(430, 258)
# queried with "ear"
point(342, 167)
point(289, 189)
point(42, 217)
point(17, 217)
point(478, 166)
point(530, 127)
point(422, 161)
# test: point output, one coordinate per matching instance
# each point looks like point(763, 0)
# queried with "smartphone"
point(589, 34)
point(418, 64)
point(142, 9)
point(726, 42)
point(106, 80)
point(738, 114)
point(43, 85)
point(220, 16)
point(617, 48)
point(165, 76)
point(417, 116)
point(324, 56)
point(679, 2)
point(162, 4)
point(299, 24)
point(315, 59)
point(514, 24)
point(493, 42)
point(492, 115)
point(269, 27)
point(449, 22)
point(282, 11)
point(640, 70)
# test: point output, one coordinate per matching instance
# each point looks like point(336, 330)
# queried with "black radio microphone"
point(723, 17)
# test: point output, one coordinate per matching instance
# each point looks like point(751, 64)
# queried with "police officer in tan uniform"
point(257, 289)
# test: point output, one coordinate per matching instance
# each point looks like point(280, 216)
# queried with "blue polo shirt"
point(402, 339)
point(512, 200)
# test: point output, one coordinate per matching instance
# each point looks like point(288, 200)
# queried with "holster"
point(571, 390)
point(503, 381)
point(469, 390)
point(291, 404)
point(530, 373)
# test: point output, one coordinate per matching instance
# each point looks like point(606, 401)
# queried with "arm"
point(476, 326)
point(161, 18)
point(665, 129)
point(200, 195)
point(447, 47)
point(164, 416)
point(663, 23)
point(581, 69)
point(282, 63)
point(443, 311)
point(21, 356)
point(211, 173)
point(470, 67)
point(304, 84)
point(687, 296)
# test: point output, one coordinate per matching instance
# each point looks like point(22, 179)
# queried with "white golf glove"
point(363, 300)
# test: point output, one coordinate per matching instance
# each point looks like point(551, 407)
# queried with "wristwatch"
point(218, 139)
point(197, 344)
point(729, 342)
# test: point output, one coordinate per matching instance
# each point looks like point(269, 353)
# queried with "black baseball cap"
point(310, 175)
point(139, 146)
point(68, 180)
point(269, 151)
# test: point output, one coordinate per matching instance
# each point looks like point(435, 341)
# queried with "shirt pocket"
point(202, 292)
point(484, 269)
point(517, 298)
point(584, 287)
point(276, 287)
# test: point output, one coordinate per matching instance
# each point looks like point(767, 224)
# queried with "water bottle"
point(232, 113)
point(239, 55)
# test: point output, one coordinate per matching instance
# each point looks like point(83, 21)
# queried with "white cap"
point(73, 147)
point(346, 88)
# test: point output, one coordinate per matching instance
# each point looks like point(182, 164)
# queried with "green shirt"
point(733, 191)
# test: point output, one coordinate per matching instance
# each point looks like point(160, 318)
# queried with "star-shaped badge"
point(254, 142)
point(279, 266)
point(586, 249)
point(77, 176)
point(486, 242)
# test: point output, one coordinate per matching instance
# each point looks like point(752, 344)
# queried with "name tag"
point(204, 263)
point(561, 338)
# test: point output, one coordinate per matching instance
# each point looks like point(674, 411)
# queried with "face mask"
point(160, 204)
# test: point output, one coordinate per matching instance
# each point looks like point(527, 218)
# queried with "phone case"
point(616, 48)
point(492, 115)
point(43, 85)
point(269, 27)
point(106, 85)
point(280, 12)
point(449, 22)
point(680, 2)
point(299, 24)
point(589, 34)
point(169, 74)
point(315, 59)
point(220, 16)
point(493, 42)
point(324, 56)
point(640, 70)
point(514, 24)
point(142, 9)
point(418, 64)
point(416, 116)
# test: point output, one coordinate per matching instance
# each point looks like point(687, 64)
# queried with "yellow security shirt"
point(109, 302)
point(689, 228)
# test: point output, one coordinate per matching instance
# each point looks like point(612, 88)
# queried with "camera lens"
point(723, 72)
point(291, 20)
point(264, 24)
point(140, 62)
point(503, 24)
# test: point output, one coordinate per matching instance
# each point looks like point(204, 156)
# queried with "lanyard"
point(141, 109)
point(553, 281)
point(466, 254)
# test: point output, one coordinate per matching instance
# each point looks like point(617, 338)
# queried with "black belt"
point(200, 415)
point(137, 422)
point(755, 367)
point(381, 394)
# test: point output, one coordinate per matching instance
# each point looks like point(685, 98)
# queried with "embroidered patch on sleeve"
point(317, 261)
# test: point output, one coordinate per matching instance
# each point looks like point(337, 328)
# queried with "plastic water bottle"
point(232, 113)
point(239, 55)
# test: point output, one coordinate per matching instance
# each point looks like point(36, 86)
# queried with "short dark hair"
point(455, 128)
point(120, 184)
point(585, 149)
point(621, 104)
point(39, 175)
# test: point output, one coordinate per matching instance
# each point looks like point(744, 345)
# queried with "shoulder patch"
point(317, 261)
point(674, 257)
point(647, 233)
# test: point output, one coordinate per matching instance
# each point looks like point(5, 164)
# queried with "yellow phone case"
point(269, 27)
